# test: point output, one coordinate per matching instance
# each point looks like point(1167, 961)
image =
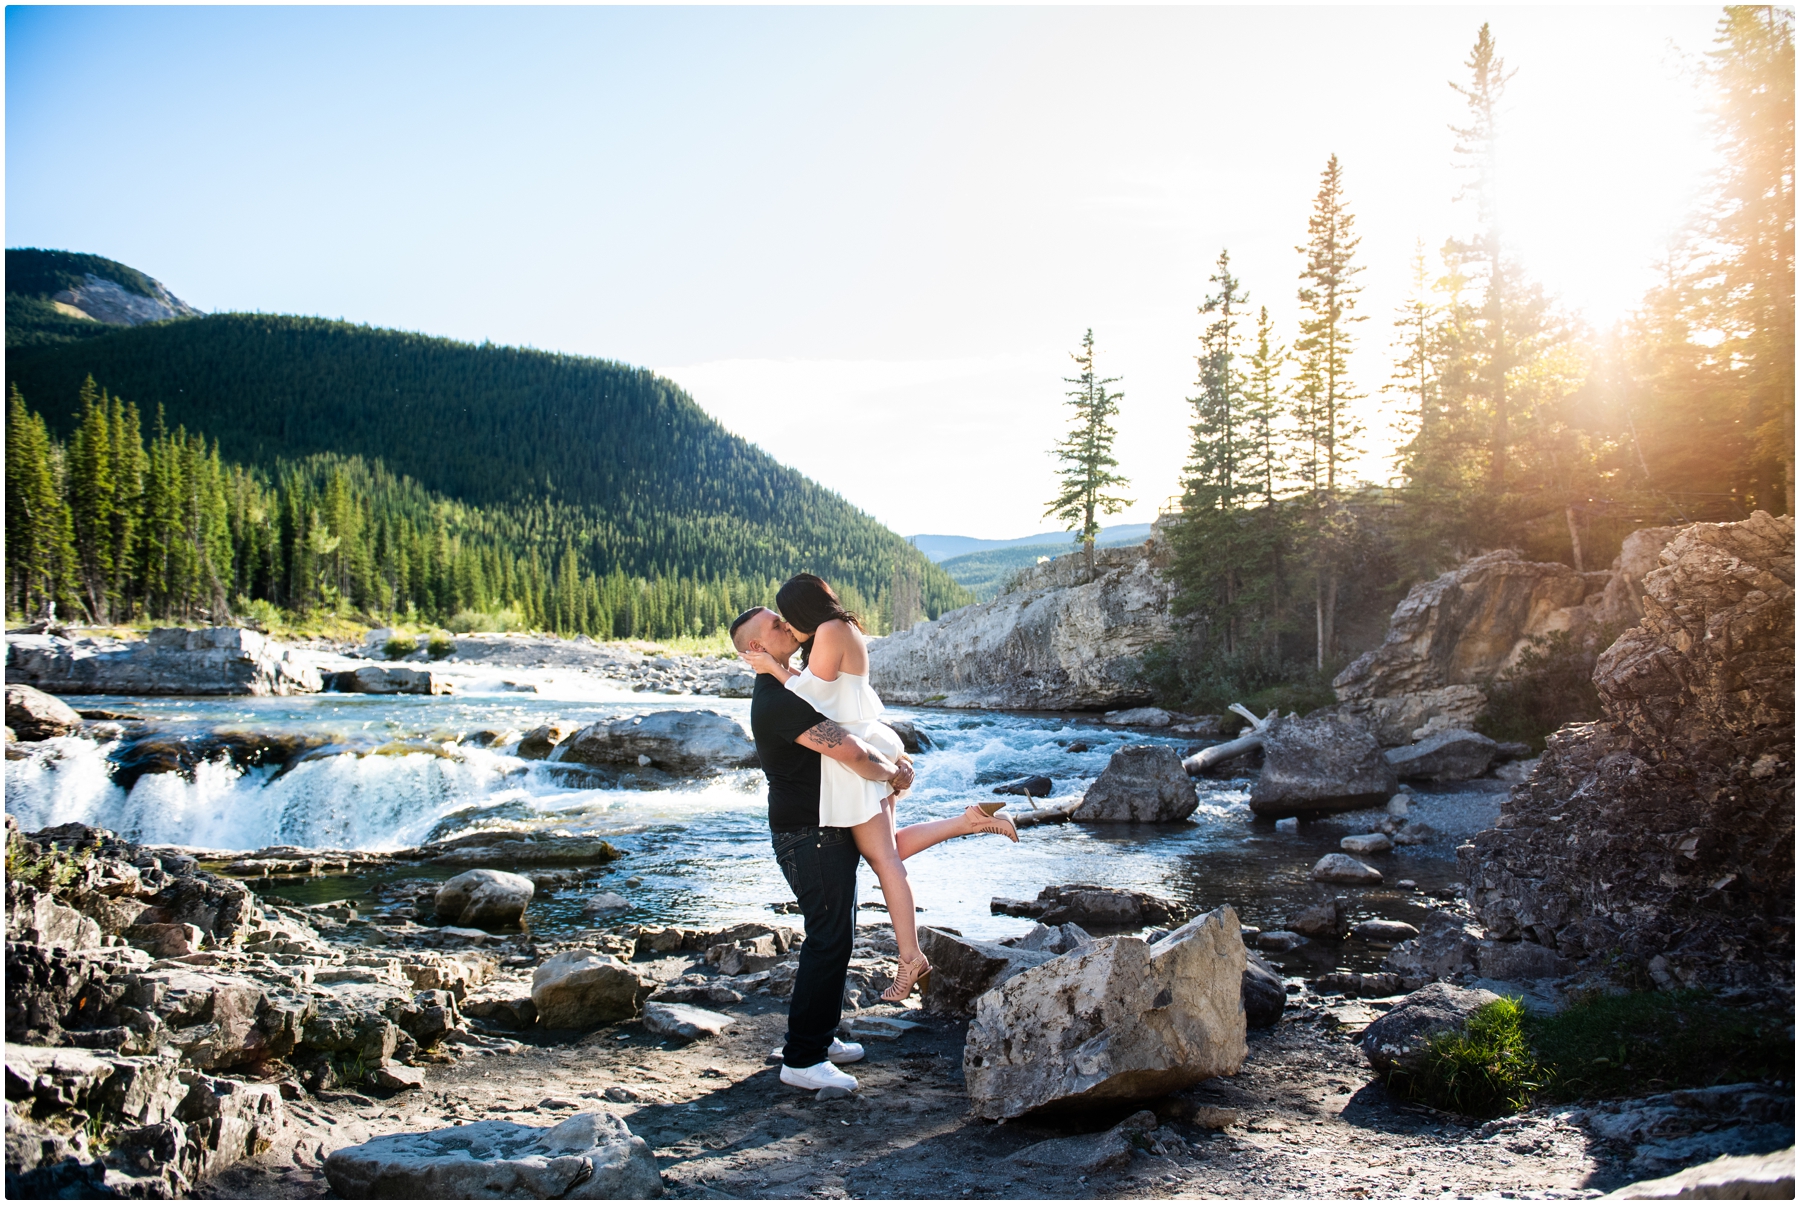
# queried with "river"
point(698, 850)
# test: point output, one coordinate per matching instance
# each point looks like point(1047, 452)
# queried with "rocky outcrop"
point(1665, 831)
point(1320, 763)
point(484, 897)
point(1142, 784)
point(1117, 1020)
point(680, 742)
point(33, 715)
point(110, 302)
point(1464, 627)
point(1060, 640)
point(1727, 1178)
point(172, 661)
point(1399, 1040)
point(589, 1157)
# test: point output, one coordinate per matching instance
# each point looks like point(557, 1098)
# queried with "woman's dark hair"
point(806, 602)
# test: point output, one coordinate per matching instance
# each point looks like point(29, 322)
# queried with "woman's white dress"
point(846, 798)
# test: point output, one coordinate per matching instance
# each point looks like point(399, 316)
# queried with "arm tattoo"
point(828, 734)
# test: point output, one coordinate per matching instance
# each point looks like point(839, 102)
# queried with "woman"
point(834, 678)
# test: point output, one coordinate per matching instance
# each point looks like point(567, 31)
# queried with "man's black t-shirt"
point(778, 718)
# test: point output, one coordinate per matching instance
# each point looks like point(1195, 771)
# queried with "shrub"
point(507, 620)
point(440, 647)
point(258, 613)
point(1485, 1070)
point(1213, 681)
point(1551, 684)
point(398, 647)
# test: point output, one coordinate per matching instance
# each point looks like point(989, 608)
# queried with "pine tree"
point(1328, 425)
point(39, 536)
point(1215, 478)
point(91, 502)
point(1086, 453)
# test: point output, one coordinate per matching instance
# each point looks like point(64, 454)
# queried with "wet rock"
point(483, 897)
point(590, 1156)
point(1350, 983)
point(1279, 941)
point(1342, 868)
point(183, 753)
point(679, 742)
point(517, 849)
point(32, 715)
point(1398, 1040)
point(580, 989)
point(605, 901)
point(683, 1021)
point(1117, 1020)
point(1366, 843)
point(1035, 786)
point(389, 680)
point(1415, 832)
point(1385, 932)
point(1328, 918)
point(1449, 756)
point(1139, 717)
point(1092, 906)
point(1444, 950)
point(537, 744)
point(1665, 831)
point(1141, 784)
point(911, 738)
point(172, 661)
point(1064, 638)
point(1265, 995)
point(963, 968)
point(1320, 763)
point(1727, 1178)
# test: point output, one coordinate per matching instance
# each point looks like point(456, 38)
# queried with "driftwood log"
point(1055, 814)
point(1244, 743)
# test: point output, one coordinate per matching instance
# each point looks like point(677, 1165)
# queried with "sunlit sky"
point(866, 239)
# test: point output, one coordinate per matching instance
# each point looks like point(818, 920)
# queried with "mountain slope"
point(63, 296)
point(667, 490)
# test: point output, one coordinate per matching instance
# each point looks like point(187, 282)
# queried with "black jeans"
point(820, 865)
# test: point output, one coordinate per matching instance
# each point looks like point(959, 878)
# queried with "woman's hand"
point(763, 663)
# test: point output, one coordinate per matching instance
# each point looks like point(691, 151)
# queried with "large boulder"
point(680, 742)
point(1142, 783)
point(579, 989)
point(542, 741)
point(35, 716)
point(172, 661)
point(1118, 1020)
point(1664, 833)
point(1449, 756)
point(1320, 763)
point(963, 969)
point(484, 897)
point(390, 680)
point(1399, 1040)
point(1264, 993)
point(588, 1157)
point(1063, 638)
point(1403, 718)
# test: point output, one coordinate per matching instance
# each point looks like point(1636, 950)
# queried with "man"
point(819, 862)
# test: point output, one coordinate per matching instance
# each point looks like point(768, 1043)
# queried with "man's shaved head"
point(763, 628)
point(741, 633)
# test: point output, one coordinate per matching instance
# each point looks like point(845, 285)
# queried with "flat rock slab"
point(683, 1021)
point(882, 1029)
point(1088, 1153)
point(1448, 756)
point(1729, 1178)
point(589, 1157)
point(1366, 843)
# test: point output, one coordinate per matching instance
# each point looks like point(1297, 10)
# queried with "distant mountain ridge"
point(64, 296)
point(942, 548)
point(662, 489)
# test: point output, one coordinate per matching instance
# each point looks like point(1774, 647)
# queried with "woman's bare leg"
point(875, 841)
point(915, 837)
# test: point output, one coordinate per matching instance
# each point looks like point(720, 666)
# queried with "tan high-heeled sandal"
point(916, 973)
point(991, 806)
point(985, 821)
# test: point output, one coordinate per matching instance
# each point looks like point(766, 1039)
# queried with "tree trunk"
point(1214, 755)
point(1574, 536)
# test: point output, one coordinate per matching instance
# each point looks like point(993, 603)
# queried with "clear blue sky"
point(865, 238)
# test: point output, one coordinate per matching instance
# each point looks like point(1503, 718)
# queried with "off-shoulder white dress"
point(846, 798)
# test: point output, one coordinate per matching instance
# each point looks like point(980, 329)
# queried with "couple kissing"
point(836, 776)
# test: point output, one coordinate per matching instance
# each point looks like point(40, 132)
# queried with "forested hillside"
point(515, 475)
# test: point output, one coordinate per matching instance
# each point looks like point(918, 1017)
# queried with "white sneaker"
point(839, 1052)
point(819, 1075)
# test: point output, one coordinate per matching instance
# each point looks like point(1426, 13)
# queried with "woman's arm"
point(829, 645)
point(763, 663)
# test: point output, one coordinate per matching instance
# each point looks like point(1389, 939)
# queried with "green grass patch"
point(1602, 1046)
point(1639, 1042)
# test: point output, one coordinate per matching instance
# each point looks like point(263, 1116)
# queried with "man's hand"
point(903, 776)
point(829, 739)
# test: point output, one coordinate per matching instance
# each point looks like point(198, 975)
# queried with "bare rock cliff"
point(1060, 641)
point(1664, 834)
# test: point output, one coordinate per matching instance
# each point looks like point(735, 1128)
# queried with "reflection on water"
point(700, 848)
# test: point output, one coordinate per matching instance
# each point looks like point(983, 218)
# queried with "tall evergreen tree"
point(1086, 453)
point(91, 502)
point(39, 532)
